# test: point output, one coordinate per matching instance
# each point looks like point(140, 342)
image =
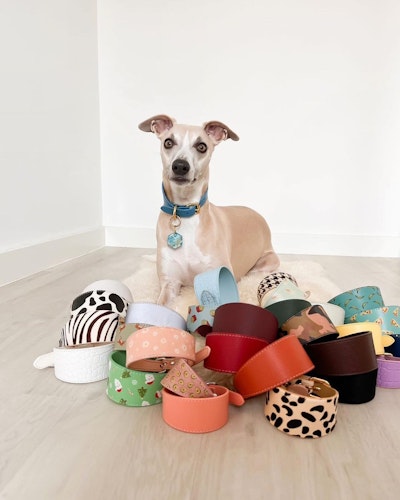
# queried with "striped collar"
point(182, 210)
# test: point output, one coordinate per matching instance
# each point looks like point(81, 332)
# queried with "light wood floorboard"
point(67, 441)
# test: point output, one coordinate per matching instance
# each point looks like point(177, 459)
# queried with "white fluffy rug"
point(309, 275)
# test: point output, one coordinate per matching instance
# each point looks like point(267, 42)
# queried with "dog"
point(193, 235)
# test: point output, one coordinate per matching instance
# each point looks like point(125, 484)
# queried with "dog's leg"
point(169, 291)
point(268, 263)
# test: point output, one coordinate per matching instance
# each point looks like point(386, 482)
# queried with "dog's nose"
point(180, 167)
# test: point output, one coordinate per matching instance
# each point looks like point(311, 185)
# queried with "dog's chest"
point(188, 260)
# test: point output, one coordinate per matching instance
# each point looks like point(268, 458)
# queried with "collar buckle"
point(196, 205)
point(166, 363)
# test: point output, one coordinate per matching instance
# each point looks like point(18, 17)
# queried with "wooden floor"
point(67, 441)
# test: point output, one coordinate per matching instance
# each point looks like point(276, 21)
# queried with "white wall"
point(310, 86)
point(50, 187)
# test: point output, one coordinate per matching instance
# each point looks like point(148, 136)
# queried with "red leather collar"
point(229, 351)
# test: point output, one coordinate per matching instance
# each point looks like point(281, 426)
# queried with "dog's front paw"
point(168, 294)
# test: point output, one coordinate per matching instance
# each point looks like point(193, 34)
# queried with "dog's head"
point(186, 149)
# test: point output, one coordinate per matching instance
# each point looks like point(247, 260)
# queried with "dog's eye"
point(201, 147)
point(168, 143)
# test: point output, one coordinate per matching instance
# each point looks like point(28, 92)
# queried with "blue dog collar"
point(182, 210)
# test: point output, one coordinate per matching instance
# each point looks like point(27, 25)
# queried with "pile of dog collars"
point(302, 357)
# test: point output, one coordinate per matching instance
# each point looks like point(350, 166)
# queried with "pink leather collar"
point(156, 349)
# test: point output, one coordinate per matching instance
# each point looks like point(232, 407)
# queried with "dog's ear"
point(157, 124)
point(218, 132)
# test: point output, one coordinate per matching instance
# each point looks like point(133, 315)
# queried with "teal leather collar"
point(182, 210)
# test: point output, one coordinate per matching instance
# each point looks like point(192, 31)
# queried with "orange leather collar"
point(191, 405)
point(274, 365)
point(198, 415)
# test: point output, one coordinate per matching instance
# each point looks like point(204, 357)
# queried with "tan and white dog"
point(193, 235)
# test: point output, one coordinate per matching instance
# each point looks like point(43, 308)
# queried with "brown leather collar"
point(246, 319)
point(350, 355)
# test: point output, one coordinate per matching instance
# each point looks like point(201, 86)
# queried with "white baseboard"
point(298, 244)
point(348, 245)
point(22, 262)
